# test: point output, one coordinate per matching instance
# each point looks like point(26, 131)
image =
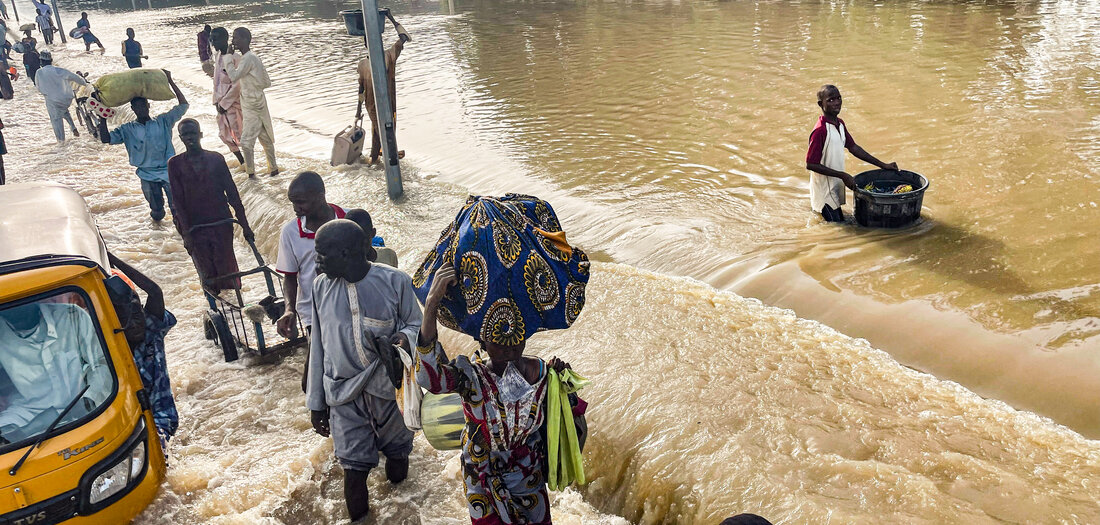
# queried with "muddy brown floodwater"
point(744, 355)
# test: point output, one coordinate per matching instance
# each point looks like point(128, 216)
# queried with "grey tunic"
point(387, 306)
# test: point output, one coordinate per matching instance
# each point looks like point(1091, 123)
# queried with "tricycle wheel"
point(222, 336)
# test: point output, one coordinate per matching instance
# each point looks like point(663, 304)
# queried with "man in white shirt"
point(51, 351)
point(249, 71)
point(55, 84)
point(296, 259)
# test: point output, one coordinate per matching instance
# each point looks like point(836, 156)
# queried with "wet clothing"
point(202, 193)
point(365, 426)
point(502, 449)
point(346, 373)
point(827, 144)
point(252, 77)
point(297, 259)
point(132, 52)
point(204, 46)
point(88, 37)
point(41, 6)
point(31, 62)
point(386, 306)
point(59, 114)
point(153, 368)
point(831, 214)
point(56, 84)
point(156, 192)
point(367, 93)
point(46, 27)
point(227, 95)
point(149, 144)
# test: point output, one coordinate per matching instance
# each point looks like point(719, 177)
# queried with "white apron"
point(826, 190)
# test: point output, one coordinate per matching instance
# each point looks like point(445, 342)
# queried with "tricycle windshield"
point(50, 350)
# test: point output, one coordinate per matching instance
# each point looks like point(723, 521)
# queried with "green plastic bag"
point(562, 446)
point(117, 89)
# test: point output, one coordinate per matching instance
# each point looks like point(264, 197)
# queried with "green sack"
point(117, 89)
point(563, 448)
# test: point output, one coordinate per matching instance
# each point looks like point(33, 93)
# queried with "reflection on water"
point(671, 137)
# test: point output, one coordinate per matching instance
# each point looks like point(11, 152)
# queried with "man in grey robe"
point(361, 311)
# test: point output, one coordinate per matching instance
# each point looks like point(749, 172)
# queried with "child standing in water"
point(825, 158)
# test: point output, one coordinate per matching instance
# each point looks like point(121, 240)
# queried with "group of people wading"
point(363, 316)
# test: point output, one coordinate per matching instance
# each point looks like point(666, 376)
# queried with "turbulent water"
point(669, 138)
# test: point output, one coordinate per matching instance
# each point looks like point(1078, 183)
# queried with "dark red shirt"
point(817, 140)
point(203, 194)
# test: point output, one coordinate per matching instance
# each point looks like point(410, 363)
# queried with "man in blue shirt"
point(149, 144)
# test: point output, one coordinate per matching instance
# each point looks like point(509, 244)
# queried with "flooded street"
point(744, 356)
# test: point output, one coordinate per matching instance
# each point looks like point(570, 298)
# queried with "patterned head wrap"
point(516, 273)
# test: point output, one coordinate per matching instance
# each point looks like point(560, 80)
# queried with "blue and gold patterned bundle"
point(516, 273)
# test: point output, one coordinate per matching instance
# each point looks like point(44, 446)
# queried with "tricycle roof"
point(41, 220)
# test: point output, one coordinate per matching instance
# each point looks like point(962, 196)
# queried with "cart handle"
point(251, 244)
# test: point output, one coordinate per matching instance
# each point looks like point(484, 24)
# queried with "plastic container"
point(889, 210)
point(353, 20)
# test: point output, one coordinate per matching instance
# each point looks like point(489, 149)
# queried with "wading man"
point(227, 94)
point(296, 259)
point(148, 143)
point(88, 37)
point(203, 193)
point(366, 88)
point(55, 84)
point(362, 311)
point(249, 71)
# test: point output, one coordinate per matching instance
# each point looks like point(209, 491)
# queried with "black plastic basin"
point(889, 210)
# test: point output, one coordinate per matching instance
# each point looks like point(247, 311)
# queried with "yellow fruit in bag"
point(117, 89)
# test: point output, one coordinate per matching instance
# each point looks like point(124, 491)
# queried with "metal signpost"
point(372, 22)
point(57, 14)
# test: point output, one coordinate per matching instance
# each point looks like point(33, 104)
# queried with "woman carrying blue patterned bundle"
point(515, 275)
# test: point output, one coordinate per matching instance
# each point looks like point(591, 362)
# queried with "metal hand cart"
point(235, 325)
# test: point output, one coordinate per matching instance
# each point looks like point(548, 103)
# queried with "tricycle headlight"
point(112, 481)
point(137, 460)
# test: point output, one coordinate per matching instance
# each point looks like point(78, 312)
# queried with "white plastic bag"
point(410, 393)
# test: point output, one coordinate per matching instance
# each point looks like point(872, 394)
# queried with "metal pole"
point(15, 10)
point(57, 15)
point(372, 20)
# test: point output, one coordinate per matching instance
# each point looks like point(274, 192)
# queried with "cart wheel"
point(208, 330)
point(222, 336)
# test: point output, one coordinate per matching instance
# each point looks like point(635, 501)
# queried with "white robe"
point(252, 77)
point(826, 190)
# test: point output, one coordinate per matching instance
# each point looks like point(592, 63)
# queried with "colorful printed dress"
point(502, 449)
